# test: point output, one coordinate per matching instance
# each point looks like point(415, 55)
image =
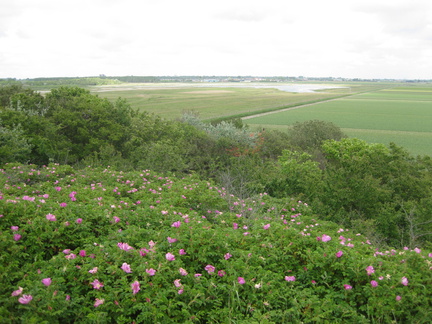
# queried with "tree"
point(308, 136)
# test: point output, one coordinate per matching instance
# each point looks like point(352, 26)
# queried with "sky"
point(382, 39)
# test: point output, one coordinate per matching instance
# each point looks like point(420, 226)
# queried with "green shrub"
point(78, 241)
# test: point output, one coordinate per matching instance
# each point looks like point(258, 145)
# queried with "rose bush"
point(108, 246)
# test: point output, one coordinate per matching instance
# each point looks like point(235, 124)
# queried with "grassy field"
point(217, 100)
point(402, 115)
point(375, 112)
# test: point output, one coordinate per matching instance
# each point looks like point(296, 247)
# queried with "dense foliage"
point(81, 240)
point(103, 246)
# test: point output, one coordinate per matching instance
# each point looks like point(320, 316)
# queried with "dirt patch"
point(208, 91)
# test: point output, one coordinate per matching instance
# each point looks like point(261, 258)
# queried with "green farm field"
point(402, 115)
point(210, 101)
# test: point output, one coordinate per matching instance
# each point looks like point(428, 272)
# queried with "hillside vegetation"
point(112, 215)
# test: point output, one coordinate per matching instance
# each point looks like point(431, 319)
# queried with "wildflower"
point(180, 291)
point(183, 272)
point(267, 226)
point(17, 292)
point(177, 283)
point(94, 270)
point(339, 254)
point(25, 299)
point(14, 228)
point(67, 297)
point(221, 273)
point(70, 256)
point(209, 268)
point(17, 237)
point(197, 275)
point(170, 256)
point(116, 219)
point(227, 256)
point(97, 284)
point(182, 252)
point(135, 287)
point(63, 204)
point(151, 244)
point(126, 268)
point(79, 221)
point(82, 253)
point(51, 217)
point(404, 281)
point(258, 285)
point(171, 240)
point(46, 281)
point(325, 238)
point(370, 270)
point(374, 283)
point(98, 302)
point(66, 251)
point(347, 287)
point(151, 271)
point(398, 298)
point(417, 250)
point(235, 226)
point(290, 278)
point(241, 280)
point(124, 246)
point(176, 224)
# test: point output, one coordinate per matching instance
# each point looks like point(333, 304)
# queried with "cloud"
point(276, 37)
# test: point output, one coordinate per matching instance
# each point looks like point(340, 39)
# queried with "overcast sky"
point(339, 38)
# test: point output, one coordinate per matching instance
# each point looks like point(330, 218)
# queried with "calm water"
point(294, 87)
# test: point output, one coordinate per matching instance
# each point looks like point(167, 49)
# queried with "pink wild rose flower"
point(25, 299)
point(51, 217)
point(17, 292)
point(126, 268)
point(98, 302)
point(135, 287)
point(325, 238)
point(46, 281)
point(97, 284)
point(370, 270)
point(209, 268)
point(170, 256)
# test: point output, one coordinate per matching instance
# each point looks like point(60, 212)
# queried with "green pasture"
point(400, 115)
point(171, 100)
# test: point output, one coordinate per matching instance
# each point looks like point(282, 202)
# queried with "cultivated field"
point(170, 100)
point(375, 112)
point(402, 115)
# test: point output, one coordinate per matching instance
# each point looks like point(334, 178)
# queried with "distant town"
point(104, 79)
